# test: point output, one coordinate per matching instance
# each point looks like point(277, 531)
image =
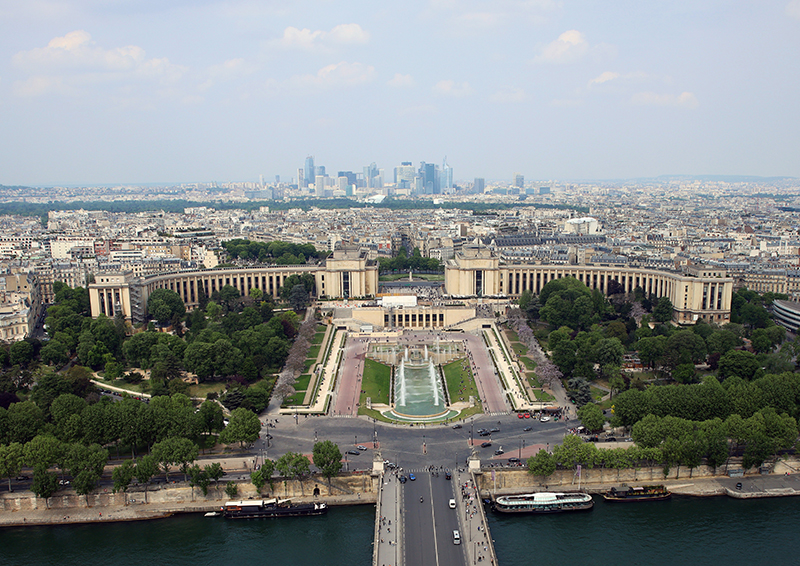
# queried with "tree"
point(11, 459)
point(175, 451)
point(591, 416)
point(738, 363)
point(258, 480)
point(123, 476)
point(86, 465)
point(43, 450)
point(231, 489)
point(542, 464)
point(327, 458)
point(210, 417)
point(293, 465)
point(684, 373)
point(164, 304)
point(21, 353)
point(243, 426)
point(298, 297)
point(44, 484)
point(662, 312)
point(199, 478)
point(146, 468)
point(215, 472)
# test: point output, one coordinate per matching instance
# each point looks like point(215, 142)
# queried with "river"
point(681, 531)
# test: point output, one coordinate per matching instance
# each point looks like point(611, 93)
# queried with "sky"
point(169, 91)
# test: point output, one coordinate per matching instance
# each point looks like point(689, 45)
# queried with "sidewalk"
point(472, 521)
point(389, 540)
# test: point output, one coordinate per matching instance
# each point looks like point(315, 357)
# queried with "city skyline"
point(94, 93)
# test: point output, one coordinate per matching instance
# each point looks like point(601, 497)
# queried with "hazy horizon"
point(97, 93)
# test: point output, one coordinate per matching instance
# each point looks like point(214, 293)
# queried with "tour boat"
point(261, 509)
point(544, 502)
point(642, 493)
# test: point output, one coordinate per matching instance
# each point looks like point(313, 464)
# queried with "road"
point(429, 525)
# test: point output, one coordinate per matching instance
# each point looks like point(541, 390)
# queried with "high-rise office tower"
point(430, 178)
point(479, 185)
point(519, 180)
point(308, 171)
point(319, 186)
point(446, 178)
point(301, 178)
point(404, 175)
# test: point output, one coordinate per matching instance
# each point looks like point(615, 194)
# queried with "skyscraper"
point(479, 185)
point(446, 178)
point(308, 171)
point(519, 180)
point(404, 175)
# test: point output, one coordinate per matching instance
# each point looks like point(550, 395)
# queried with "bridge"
point(414, 521)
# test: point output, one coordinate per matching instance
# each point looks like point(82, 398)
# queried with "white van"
point(456, 537)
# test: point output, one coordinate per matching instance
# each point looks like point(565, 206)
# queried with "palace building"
point(696, 292)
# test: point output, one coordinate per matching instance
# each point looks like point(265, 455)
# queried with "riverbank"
point(142, 512)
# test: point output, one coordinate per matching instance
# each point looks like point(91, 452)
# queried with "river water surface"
point(682, 531)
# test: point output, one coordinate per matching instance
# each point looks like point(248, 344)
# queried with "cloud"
point(73, 61)
point(793, 9)
point(568, 48)
point(308, 40)
point(508, 94)
point(77, 50)
point(338, 75)
point(401, 81)
point(451, 88)
point(604, 78)
point(226, 71)
point(682, 100)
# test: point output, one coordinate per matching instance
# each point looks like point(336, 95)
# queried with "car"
point(456, 426)
point(527, 428)
point(520, 416)
point(486, 444)
point(361, 447)
point(403, 479)
point(63, 482)
point(514, 460)
point(495, 429)
point(390, 465)
point(544, 419)
point(22, 478)
point(354, 452)
point(485, 433)
point(412, 477)
point(527, 415)
point(452, 504)
point(611, 439)
point(499, 451)
point(481, 430)
point(739, 485)
point(448, 475)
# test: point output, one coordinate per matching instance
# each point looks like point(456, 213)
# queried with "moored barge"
point(266, 508)
point(544, 502)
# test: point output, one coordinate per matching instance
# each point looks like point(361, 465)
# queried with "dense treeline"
point(177, 206)
point(277, 252)
point(402, 262)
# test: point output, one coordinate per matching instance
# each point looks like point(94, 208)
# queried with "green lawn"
point(512, 335)
point(375, 382)
point(529, 363)
point(302, 382)
point(202, 389)
point(533, 379)
point(597, 394)
point(313, 352)
point(296, 399)
point(543, 396)
point(318, 337)
point(460, 383)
